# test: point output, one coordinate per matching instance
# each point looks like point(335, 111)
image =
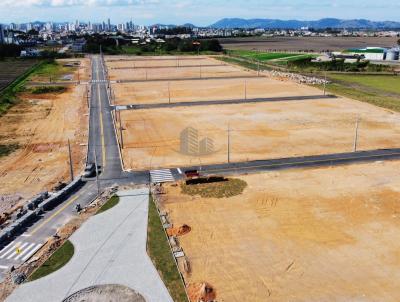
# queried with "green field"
point(261, 56)
point(379, 90)
point(55, 262)
point(14, 80)
point(112, 202)
point(51, 71)
point(160, 253)
point(384, 83)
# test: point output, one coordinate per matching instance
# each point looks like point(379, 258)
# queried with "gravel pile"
point(298, 78)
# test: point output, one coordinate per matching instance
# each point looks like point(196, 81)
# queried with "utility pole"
point(245, 90)
point(258, 68)
point(120, 130)
point(169, 93)
point(325, 84)
point(71, 169)
point(87, 96)
point(229, 143)
point(356, 134)
point(97, 172)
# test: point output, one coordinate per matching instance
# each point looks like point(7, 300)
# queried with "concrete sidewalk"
point(110, 248)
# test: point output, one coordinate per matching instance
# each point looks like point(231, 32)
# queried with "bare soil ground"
point(297, 235)
point(257, 131)
point(182, 91)
point(152, 138)
point(219, 69)
point(41, 125)
point(316, 44)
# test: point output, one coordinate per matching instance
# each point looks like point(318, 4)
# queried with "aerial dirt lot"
point(257, 131)
point(41, 125)
point(221, 89)
point(128, 62)
point(218, 69)
point(328, 234)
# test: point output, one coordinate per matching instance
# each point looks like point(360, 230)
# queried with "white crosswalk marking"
point(9, 249)
point(158, 176)
point(18, 251)
point(19, 248)
point(33, 251)
point(24, 251)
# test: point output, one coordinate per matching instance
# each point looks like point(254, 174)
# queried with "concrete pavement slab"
point(110, 248)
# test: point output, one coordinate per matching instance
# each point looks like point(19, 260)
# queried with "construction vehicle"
point(191, 174)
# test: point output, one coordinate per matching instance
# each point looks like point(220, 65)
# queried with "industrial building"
point(375, 53)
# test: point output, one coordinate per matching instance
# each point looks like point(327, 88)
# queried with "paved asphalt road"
point(225, 102)
point(292, 162)
point(102, 139)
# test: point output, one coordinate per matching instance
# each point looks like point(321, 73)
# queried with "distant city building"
point(2, 38)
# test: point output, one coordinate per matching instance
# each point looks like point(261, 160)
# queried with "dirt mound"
point(201, 292)
point(179, 231)
point(106, 293)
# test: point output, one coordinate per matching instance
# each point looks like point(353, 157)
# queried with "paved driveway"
point(110, 248)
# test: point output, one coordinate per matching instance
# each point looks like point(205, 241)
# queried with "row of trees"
point(121, 44)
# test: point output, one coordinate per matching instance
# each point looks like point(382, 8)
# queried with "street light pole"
point(229, 143)
point(71, 169)
point(356, 135)
point(120, 130)
point(169, 93)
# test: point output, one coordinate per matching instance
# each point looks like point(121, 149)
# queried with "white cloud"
point(63, 3)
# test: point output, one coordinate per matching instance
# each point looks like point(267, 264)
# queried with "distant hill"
point(294, 24)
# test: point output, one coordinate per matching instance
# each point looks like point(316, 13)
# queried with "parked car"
point(90, 170)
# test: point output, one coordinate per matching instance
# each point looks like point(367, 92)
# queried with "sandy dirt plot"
point(224, 89)
point(217, 70)
point(152, 138)
point(41, 125)
point(297, 235)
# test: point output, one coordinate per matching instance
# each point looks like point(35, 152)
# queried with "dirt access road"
point(41, 125)
point(297, 235)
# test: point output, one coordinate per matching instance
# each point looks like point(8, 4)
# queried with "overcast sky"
point(199, 12)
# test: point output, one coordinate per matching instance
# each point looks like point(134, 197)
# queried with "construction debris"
point(201, 292)
point(298, 78)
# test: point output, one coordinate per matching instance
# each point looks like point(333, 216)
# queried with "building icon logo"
point(192, 145)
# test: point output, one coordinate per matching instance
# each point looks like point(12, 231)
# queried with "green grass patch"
point(160, 253)
point(48, 89)
point(112, 202)
point(243, 63)
point(56, 261)
point(7, 149)
point(51, 71)
point(261, 56)
point(385, 83)
point(222, 189)
point(376, 99)
point(8, 97)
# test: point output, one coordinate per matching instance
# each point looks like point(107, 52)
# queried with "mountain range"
point(295, 24)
